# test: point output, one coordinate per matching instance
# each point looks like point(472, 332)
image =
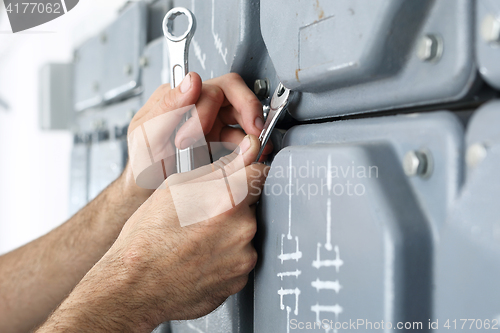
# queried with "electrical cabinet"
point(379, 206)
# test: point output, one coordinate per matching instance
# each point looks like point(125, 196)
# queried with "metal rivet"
point(417, 163)
point(130, 114)
point(490, 29)
point(476, 153)
point(430, 48)
point(128, 69)
point(143, 62)
point(261, 88)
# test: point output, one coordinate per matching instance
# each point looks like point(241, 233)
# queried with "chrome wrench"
point(278, 104)
point(178, 48)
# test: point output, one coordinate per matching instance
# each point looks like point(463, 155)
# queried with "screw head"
point(143, 62)
point(261, 88)
point(430, 48)
point(95, 86)
point(417, 163)
point(128, 69)
point(476, 153)
point(490, 29)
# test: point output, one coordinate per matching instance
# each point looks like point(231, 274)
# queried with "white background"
point(34, 164)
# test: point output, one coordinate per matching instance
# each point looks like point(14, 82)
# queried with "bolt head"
point(128, 69)
point(490, 29)
point(476, 153)
point(430, 48)
point(261, 88)
point(417, 163)
point(143, 62)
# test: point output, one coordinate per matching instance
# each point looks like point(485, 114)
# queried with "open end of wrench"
point(168, 23)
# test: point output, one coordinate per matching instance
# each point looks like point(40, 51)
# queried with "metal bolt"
point(417, 163)
point(261, 88)
point(490, 29)
point(128, 69)
point(476, 153)
point(130, 114)
point(143, 62)
point(430, 48)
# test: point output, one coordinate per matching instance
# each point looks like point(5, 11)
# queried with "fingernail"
point(186, 84)
point(259, 123)
point(245, 144)
point(186, 143)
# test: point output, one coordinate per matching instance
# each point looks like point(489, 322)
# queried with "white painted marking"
point(202, 57)
point(192, 6)
point(330, 285)
point(288, 310)
point(211, 74)
point(336, 309)
point(283, 292)
point(337, 262)
point(290, 198)
point(328, 244)
point(290, 256)
point(194, 328)
point(217, 40)
point(283, 274)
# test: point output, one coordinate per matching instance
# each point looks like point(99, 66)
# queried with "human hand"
point(219, 103)
point(158, 270)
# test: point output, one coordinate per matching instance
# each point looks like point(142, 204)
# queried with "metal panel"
point(488, 40)
point(124, 42)
point(152, 70)
point(342, 51)
point(78, 177)
point(108, 152)
point(233, 316)
point(107, 161)
point(467, 265)
point(355, 245)
point(227, 39)
point(88, 70)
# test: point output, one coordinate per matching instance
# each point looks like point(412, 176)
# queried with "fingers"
point(244, 155)
point(246, 108)
point(187, 93)
point(207, 109)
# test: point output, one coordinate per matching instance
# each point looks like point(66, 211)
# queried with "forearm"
point(35, 278)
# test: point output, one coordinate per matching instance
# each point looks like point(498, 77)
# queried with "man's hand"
point(35, 278)
point(158, 270)
point(220, 103)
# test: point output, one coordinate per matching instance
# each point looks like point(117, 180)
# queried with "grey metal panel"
point(439, 132)
point(107, 161)
point(124, 43)
point(235, 315)
point(88, 74)
point(355, 250)
point(375, 70)
point(108, 155)
point(228, 39)
point(78, 177)
point(487, 52)
point(467, 266)
point(341, 248)
point(153, 68)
